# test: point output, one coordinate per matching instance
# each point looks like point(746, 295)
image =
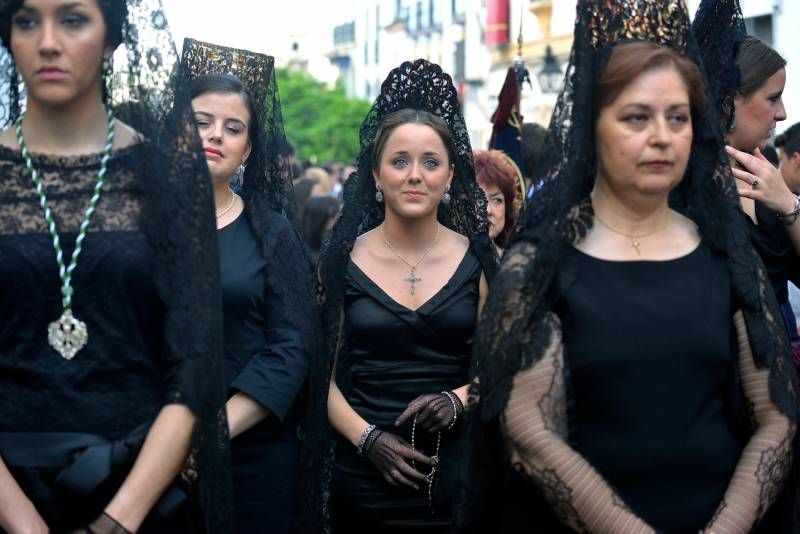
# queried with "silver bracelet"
point(363, 440)
point(789, 218)
point(456, 403)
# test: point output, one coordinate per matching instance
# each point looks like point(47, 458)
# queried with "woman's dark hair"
point(629, 60)
point(228, 84)
point(533, 136)
point(756, 63)
point(493, 167)
point(115, 13)
point(411, 116)
point(317, 219)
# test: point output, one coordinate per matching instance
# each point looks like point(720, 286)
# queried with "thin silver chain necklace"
point(412, 277)
point(68, 334)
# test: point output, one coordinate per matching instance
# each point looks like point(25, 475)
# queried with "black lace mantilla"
point(559, 215)
point(268, 175)
point(147, 91)
point(719, 30)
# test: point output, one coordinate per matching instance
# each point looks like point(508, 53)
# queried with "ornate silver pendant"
point(67, 335)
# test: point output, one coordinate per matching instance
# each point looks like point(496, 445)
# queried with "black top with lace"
point(141, 303)
point(517, 330)
point(124, 375)
point(635, 333)
point(171, 206)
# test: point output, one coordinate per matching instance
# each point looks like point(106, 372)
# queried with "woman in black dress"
point(402, 279)
point(98, 409)
point(631, 348)
point(747, 79)
point(265, 276)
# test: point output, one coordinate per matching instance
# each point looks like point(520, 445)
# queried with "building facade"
point(476, 41)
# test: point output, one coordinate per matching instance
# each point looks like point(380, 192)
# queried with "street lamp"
point(550, 75)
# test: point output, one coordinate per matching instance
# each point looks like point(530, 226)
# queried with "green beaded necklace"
point(68, 334)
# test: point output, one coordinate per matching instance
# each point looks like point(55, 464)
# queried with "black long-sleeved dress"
point(266, 359)
point(146, 285)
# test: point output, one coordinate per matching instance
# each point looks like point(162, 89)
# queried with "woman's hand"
point(761, 181)
point(391, 454)
point(434, 412)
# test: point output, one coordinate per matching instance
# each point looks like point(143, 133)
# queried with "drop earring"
point(379, 195)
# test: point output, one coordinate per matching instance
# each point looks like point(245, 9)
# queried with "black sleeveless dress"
point(395, 355)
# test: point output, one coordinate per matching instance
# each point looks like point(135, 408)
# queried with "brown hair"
point(410, 116)
point(756, 63)
point(493, 167)
point(629, 60)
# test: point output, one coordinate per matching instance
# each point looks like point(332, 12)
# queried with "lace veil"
point(718, 28)
point(268, 174)
point(146, 90)
point(416, 85)
point(515, 332)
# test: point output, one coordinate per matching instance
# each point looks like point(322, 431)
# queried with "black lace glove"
point(391, 454)
point(434, 411)
point(105, 524)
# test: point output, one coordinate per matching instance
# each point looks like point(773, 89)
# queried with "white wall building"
point(377, 35)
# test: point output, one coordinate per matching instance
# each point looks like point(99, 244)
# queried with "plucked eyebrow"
point(646, 107)
point(60, 9)
point(426, 153)
point(206, 114)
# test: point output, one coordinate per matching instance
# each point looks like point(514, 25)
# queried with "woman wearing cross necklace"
point(402, 318)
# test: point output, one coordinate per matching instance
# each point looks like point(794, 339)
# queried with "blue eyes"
point(428, 163)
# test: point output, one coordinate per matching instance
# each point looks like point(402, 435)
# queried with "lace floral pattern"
point(173, 211)
point(516, 330)
point(268, 175)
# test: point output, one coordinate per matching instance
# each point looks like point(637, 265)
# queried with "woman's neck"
point(223, 195)
point(410, 235)
point(77, 128)
point(633, 218)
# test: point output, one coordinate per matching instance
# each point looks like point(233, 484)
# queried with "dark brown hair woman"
point(626, 334)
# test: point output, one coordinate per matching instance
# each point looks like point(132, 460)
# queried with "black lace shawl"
point(417, 85)
point(268, 175)
point(147, 91)
point(718, 27)
point(515, 331)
